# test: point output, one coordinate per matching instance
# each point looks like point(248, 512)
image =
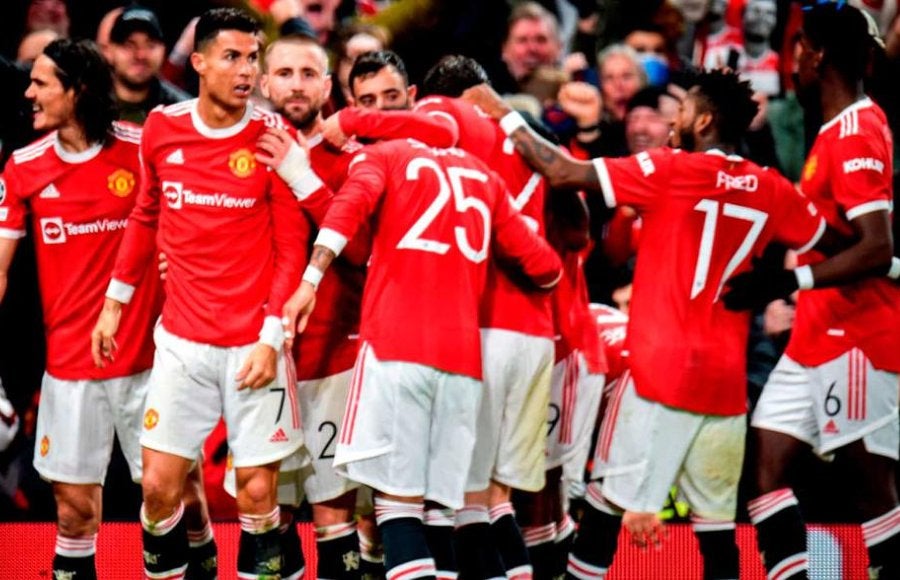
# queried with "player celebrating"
point(706, 212)
point(409, 426)
point(835, 388)
point(232, 234)
point(79, 183)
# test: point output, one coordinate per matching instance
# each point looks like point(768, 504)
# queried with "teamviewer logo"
point(53, 231)
point(173, 191)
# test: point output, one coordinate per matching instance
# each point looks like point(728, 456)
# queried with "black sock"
point(293, 564)
point(371, 558)
point(76, 568)
point(562, 545)
point(719, 550)
point(260, 554)
point(338, 549)
point(203, 561)
point(166, 548)
point(781, 533)
point(508, 539)
point(882, 537)
point(404, 542)
point(439, 537)
point(539, 540)
point(480, 558)
point(597, 538)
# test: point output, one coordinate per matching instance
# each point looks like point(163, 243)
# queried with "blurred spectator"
point(759, 63)
point(47, 14)
point(650, 45)
point(532, 40)
point(33, 45)
point(354, 40)
point(104, 28)
point(136, 52)
point(718, 43)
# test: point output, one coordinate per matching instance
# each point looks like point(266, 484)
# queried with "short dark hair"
point(215, 20)
point(80, 67)
point(729, 99)
point(452, 75)
point(843, 33)
point(369, 63)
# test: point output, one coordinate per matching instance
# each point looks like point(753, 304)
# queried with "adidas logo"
point(278, 437)
point(830, 428)
point(49, 192)
point(176, 157)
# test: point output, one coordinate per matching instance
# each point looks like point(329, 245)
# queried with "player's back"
point(705, 215)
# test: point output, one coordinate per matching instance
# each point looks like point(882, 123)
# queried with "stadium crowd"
point(468, 285)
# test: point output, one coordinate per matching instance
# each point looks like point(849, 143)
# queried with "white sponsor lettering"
point(740, 182)
point(861, 163)
point(56, 231)
point(177, 197)
point(645, 163)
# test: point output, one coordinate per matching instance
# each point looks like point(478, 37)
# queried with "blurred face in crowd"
point(646, 42)
point(384, 90)
point(228, 67)
point(320, 15)
point(530, 44)
point(646, 127)
point(296, 81)
point(136, 61)
point(619, 81)
point(51, 14)
point(760, 18)
point(52, 104)
point(357, 45)
point(693, 10)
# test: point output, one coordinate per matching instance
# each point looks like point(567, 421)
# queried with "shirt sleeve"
point(515, 241)
point(432, 130)
point(800, 225)
point(13, 210)
point(290, 233)
point(636, 180)
point(139, 241)
point(861, 171)
point(358, 198)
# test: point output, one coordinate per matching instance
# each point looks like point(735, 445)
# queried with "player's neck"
point(215, 116)
point(72, 138)
point(837, 95)
point(313, 129)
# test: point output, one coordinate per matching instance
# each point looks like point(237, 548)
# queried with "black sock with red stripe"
point(882, 537)
point(597, 538)
point(781, 534)
point(508, 540)
point(718, 547)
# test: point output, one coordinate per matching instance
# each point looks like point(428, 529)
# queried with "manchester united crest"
point(151, 419)
point(242, 163)
point(45, 446)
point(120, 182)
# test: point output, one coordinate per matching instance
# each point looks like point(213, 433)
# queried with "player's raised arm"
point(560, 169)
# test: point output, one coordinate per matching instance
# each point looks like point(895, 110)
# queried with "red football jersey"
point(847, 174)
point(79, 205)
point(611, 325)
point(705, 215)
point(505, 305)
point(229, 226)
point(329, 343)
point(437, 214)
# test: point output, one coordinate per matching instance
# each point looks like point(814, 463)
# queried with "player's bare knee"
point(161, 498)
point(256, 489)
point(77, 510)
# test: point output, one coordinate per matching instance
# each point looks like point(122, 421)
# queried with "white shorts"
point(192, 385)
point(574, 402)
point(833, 404)
point(651, 446)
point(510, 435)
point(408, 429)
point(76, 424)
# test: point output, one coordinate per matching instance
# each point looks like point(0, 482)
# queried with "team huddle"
point(388, 309)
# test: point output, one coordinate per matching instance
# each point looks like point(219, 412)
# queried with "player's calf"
point(401, 524)
point(718, 547)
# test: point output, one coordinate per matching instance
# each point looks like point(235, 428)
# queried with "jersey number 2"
point(450, 183)
point(711, 208)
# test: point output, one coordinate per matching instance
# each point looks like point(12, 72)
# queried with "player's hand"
point(487, 99)
point(778, 318)
point(646, 529)
point(163, 266)
point(332, 131)
point(259, 369)
point(279, 150)
point(582, 101)
point(296, 311)
point(755, 288)
point(103, 341)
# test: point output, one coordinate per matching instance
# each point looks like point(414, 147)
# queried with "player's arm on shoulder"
point(560, 169)
point(433, 130)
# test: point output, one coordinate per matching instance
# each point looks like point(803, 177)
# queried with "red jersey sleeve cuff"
point(120, 291)
point(272, 332)
point(815, 239)
point(331, 239)
point(10, 234)
point(606, 186)
point(868, 207)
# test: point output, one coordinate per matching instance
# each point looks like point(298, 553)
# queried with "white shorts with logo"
point(834, 404)
point(76, 424)
point(511, 433)
point(408, 429)
point(645, 447)
point(575, 397)
point(192, 385)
